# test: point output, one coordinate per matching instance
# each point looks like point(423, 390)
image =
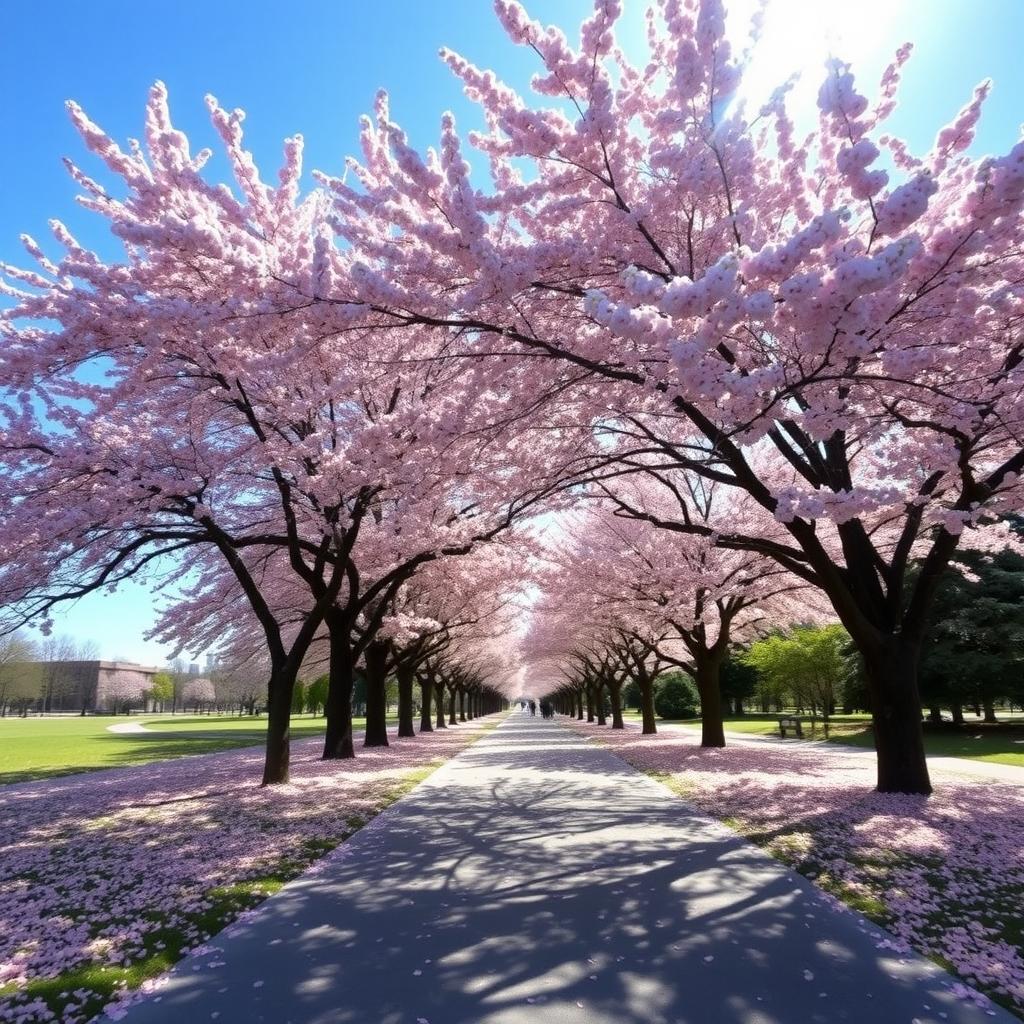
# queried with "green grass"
point(768, 725)
point(42, 748)
point(1002, 743)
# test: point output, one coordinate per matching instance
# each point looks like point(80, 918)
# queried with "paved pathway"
point(128, 727)
point(537, 879)
point(994, 770)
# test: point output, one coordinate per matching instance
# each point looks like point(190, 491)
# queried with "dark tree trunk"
point(590, 703)
point(650, 719)
point(462, 704)
point(439, 700)
point(990, 712)
point(426, 725)
point(405, 716)
point(579, 705)
point(376, 658)
point(602, 718)
point(935, 714)
point(279, 711)
point(615, 692)
point(740, 712)
point(712, 726)
point(891, 672)
point(338, 706)
point(452, 719)
point(958, 713)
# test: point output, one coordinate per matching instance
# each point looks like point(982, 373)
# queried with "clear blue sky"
point(313, 66)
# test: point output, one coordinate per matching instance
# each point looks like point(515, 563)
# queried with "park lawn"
point(768, 725)
point(42, 748)
point(1003, 743)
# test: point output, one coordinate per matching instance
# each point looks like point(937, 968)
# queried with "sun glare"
point(798, 37)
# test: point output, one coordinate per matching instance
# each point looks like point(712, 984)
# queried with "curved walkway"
point(128, 727)
point(994, 770)
point(537, 879)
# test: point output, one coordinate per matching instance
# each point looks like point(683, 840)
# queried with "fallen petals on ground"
point(944, 873)
point(132, 867)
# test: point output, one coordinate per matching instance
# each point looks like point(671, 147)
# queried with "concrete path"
point(128, 727)
point(537, 879)
point(993, 770)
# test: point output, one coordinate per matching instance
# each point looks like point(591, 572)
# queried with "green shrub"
point(675, 696)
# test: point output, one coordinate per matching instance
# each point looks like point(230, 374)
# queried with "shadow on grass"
point(1002, 741)
point(139, 748)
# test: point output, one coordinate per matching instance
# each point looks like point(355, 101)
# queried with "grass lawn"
point(1003, 743)
point(41, 748)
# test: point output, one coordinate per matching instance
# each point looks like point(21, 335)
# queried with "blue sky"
point(313, 66)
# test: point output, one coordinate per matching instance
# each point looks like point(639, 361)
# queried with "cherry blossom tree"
point(857, 313)
point(680, 594)
point(198, 693)
point(225, 415)
point(445, 603)
point(579, 644)
point(648, 253)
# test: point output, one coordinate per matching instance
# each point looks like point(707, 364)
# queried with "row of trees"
point(974, 658)
point(785, 369)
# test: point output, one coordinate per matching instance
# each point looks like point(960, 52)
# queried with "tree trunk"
point(590, 703)
point(426, 725)
point(990, 712)
point(376, 658)
point(338, 743)
point(650, 719)
point(602, 718)
point(958, 713)
point(462, 704)
point(935, 714)
point(452, 717)
point(579, 706)
point(615, 692)
point(405, 716)
point(279, 710)
point(439, 700)
point(712, 726)
point(891, 672)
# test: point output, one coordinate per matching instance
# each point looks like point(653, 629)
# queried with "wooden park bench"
point(789, 722)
